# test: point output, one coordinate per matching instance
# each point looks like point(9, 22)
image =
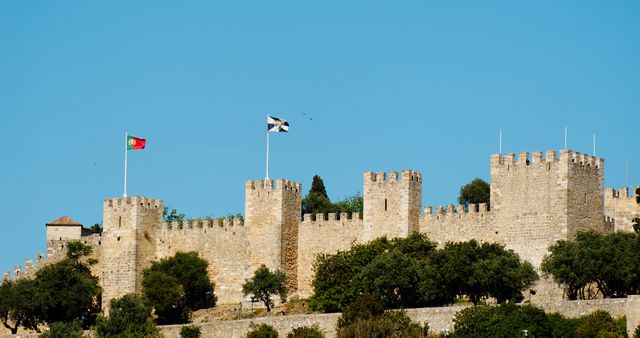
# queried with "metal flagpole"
point(565, 137)
point(126, 140)
point(626, 171)
point(594, 144)
point(500, 142)
point(267, 174)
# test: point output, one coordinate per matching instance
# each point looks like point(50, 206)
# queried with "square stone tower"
point(391, 204)
point(272, 215)
point(128, 246)
point(539, 200)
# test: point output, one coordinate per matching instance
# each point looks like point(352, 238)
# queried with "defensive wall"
point(536, 199)
point(439, 318)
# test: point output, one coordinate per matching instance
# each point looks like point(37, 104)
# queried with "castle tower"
point(539, 200)
point(622, 205)
point(61, 231)
point(127, 247)
point(272, 215)
point(391, 204)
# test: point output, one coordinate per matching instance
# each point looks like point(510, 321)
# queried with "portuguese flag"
point(134, 143)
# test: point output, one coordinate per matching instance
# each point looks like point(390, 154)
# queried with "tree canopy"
point(412, 272)
point(475, 192)
point(608, 261)
point(177, 285)
point(317, 201)
point(129, 316)
point(265, 283)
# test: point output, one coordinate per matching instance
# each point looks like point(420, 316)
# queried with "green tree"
point(636, 223)
point(609, 261)
point(262, 331)
point(365, 307)
point(172, 216)
point(476, 191)
point(18, 305)
point(313, 331)
point(64, 330)
point(389, 324)
point(350, 205)
point(96, 228)
point(190, 331)
point(178, 285)
point(264, 284)
point(484, 270)
point(317, 200)
point(129, 316)
point(66, 290)
point(600, 324)
point(505, 320)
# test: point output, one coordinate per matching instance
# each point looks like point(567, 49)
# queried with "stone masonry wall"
point(128, 245)
point(439, 318)
point(585, 193)
point(457, 225)
point(328, 236)
point(623, 206)
point(391, 204)
point(224, 246)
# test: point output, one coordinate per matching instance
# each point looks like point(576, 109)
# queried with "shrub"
point(262, 331)
point(306, 332)
point(506, 320)
point(601, 324)
point(64, 330)
point(390, 324)
point(190, 331)
point(364, 307)
point(129, 316)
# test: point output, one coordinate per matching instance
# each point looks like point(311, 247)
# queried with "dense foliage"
point(18, 305)
point(362, 323)
point(317, 201)
point(262, 331)
point(506, 320)
point(265, 283)
point(510, 320)
point(313, 331)
point(61, 292)
point(412, 272)
point(129, 316)
point(178, 285)
point(64, 330)
point(609, 262)
point(190, 331)
point(475, 192)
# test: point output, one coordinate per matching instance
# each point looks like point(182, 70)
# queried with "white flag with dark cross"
point(274, 125)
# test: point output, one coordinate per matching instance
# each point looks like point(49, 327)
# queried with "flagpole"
point(267, 174)
point(126, 139)
point(565, 137)
point(500, 142)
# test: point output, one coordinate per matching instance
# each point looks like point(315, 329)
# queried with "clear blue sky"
point(420, 85)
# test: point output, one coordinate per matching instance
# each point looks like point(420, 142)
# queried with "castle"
point(535, 201)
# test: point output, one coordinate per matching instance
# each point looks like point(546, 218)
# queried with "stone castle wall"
point(392, 204)
point(535, 201)
point(623, 205)
point(224, 245)
point(323, 236)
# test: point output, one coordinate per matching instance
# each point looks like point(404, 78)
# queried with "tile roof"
point(64, 220)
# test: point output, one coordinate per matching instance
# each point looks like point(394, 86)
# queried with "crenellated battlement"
point(27, 270)
point(550, 157)
point(270, 185)
point(623, 193)
point(393, 177)
point(222, 222)
point(472, 209)
point(321, 218)
point(131, 201)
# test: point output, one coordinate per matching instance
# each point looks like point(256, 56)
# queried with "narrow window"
point(585, 198)
point(385, 204)
point(119, 221)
